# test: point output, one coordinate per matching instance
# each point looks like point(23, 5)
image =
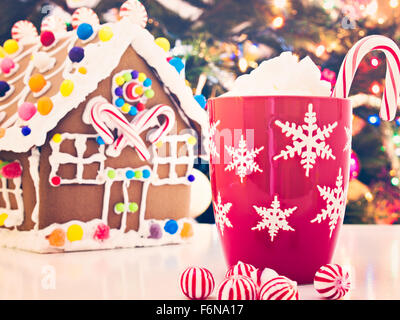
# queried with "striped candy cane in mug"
point(352, 61)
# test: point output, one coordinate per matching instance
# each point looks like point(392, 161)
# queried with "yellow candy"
point(82, 70)
point(2, 132)
point(44, 105)
point(75, 233)
point(125, 108)
point(57, 138)
point(187, 230)
point(66, 88)
point(105, 33)
point(192, 140)
point(142, 77)
point(119, 80)
point(163, 43)
point(158, 144)
point(11, 46)
point(3, 218)
point(3, 52)
point(139, 91)
point(187, 83)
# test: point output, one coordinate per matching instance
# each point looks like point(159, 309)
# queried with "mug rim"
point(279, 97)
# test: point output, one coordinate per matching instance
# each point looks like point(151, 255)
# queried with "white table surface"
point(371, 252)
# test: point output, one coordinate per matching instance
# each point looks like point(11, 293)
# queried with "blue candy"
point(171, 227)
point(177, 63)
point(201, 100)
point(4, 87)
point(84, 31)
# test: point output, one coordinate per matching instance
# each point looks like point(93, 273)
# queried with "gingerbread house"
point(99, 134)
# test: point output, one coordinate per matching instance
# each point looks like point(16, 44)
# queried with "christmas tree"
point(222, 39)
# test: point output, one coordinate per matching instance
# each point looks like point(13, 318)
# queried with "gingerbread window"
point(76, 159)
point(11, 203)
point(173, 158)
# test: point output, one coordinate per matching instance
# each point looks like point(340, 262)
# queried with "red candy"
point(279, 288)
point(47, 38)
point(332, 282)
point(243, 269)
point(55, 181)
point(237, 288)
point(11, 170)
point(140, 106)
point(102, 232)
point(197, 283)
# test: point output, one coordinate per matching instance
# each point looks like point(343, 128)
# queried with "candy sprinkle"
point(66, 88)
point(105, 34)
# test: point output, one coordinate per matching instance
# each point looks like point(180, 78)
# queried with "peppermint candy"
point(279, 288)
point(86, 15)
point(135, 11)
point(243, 269)
point(54, 24)
point(332, 282)
point(237, 288)
point(197, 283)
point(24, 30)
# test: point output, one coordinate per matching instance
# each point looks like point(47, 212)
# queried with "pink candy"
point(197, 283)
point(26, 111)
point(7, 65)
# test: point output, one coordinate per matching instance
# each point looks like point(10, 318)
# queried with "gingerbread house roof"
point(100, 59)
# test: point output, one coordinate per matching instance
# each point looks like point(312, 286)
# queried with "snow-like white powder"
point(283, 75)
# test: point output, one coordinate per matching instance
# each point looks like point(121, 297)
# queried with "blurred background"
point(221, 39)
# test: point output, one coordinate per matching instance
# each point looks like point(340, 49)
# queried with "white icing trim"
point(46, 88)
point(58, 158)
point(34, 160)
point(35, 240)
point(173, 160)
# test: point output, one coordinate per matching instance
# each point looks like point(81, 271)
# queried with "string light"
point(278, 22)
point(395, 181)
point(374, 120)
point(375, 62)
point(280, 3)
point(320, 50)
point(396, 139)
point(394, 3)
point(375, 87)
point(328, 4)
point(242, 64)
point(381, 20)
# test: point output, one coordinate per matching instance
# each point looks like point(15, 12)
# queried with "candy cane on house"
point(352, 61)
point(146, 120)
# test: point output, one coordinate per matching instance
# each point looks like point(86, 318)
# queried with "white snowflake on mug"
point(274, 218)
point(348, 139)
point(221, 210)
point(211, 142)
point(242, 159)
point(336, 203)
point(308, 140)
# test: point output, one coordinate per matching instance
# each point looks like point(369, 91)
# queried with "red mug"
point(279, 172)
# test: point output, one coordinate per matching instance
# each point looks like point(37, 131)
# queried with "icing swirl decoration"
point(54, 24)
point(85, 15)
point(24, 30)
point(135, 11)
point(131, 87)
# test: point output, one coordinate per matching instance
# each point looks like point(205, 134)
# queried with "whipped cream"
point(283, 75)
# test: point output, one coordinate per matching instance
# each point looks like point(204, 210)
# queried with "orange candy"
point(44, 105)
point(57, 238)
point(37, 82)
point(2, 132)
point(187, 230)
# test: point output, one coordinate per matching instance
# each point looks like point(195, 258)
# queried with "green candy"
point(127, 77)
point(111, 174)
point(133, 207)
point(119, 207)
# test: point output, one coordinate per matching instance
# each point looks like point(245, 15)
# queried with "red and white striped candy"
point(392, 81)
point(237, 288)
point(84, 15)
point(197, 283)
point(24, 30)
point(135, 11)
point(243, 269)
point(279, 288)
point(54, 24)
point(144, 121)
point(332, 282)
